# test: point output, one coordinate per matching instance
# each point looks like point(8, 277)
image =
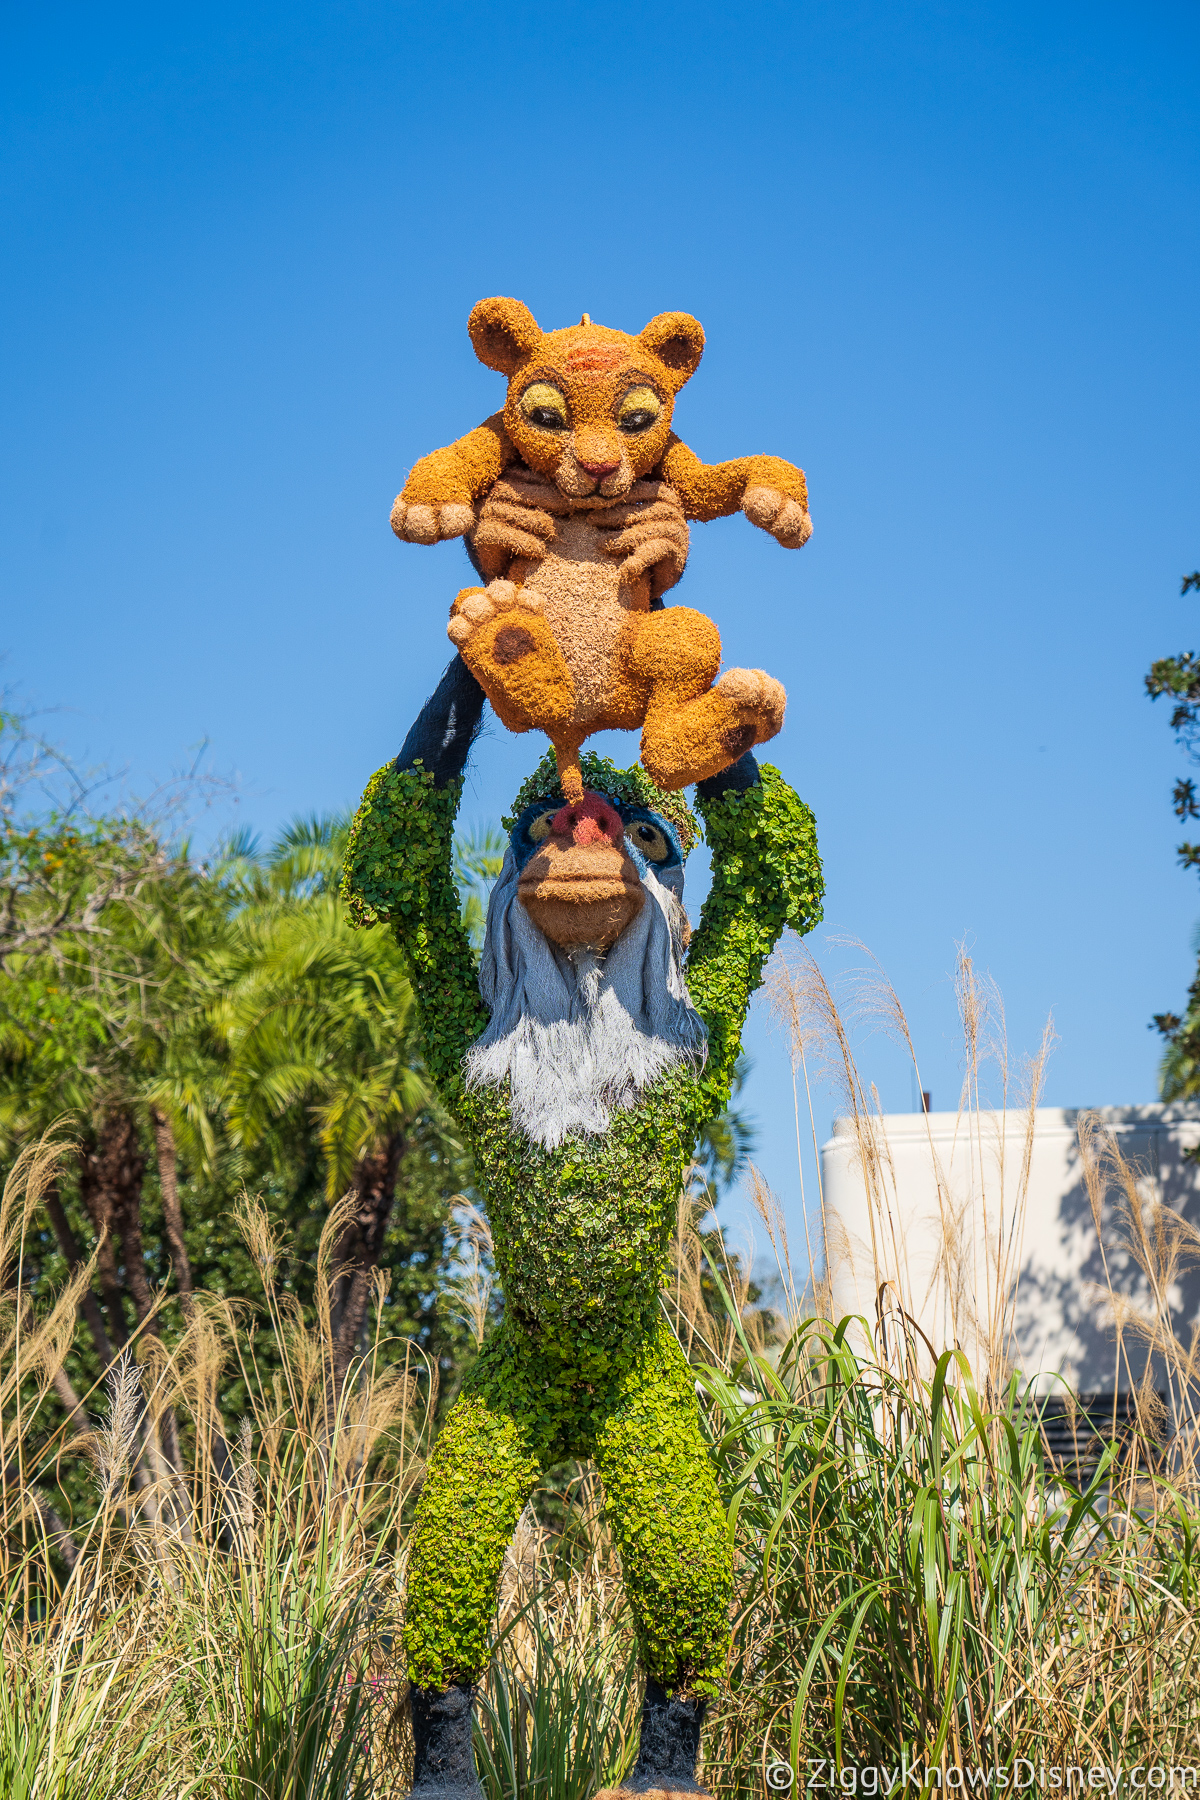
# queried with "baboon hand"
point(648, 532)
point(516, 519)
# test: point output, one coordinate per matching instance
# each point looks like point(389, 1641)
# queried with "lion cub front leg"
point(508, 646)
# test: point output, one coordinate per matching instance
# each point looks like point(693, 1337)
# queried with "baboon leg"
point(661, 1497)
point(484, 1467)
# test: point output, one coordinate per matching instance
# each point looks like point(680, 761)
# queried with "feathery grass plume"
point(33, 1347)
point(472, 1281)
point(766, 1205)
point(253, 1221)
point(115, 1441)
point(245, 1489)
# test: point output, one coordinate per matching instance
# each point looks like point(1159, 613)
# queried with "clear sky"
point(946, 258)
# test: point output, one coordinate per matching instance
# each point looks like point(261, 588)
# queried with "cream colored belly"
point(586, 606)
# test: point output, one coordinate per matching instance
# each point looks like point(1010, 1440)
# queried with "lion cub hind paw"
point(758, 695)
point(698, 738)
point(430, 524)
point(511, 651)
point(473, 607)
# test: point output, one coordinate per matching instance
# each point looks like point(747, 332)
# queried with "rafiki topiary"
point(581, 1064)
point(575, 501)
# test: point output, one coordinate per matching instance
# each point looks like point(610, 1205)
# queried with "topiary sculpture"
point(575, 502)
point(580, 1063)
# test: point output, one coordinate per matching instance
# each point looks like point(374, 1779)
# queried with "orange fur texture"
point(576, 499)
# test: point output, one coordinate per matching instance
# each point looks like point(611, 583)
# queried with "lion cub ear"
point(504, 333)
point(678, 342)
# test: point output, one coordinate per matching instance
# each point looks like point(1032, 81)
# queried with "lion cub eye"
point(540, 829)
point(544, 407)
point(639, 409)
point(651, 842)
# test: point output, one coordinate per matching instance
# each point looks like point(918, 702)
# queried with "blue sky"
point(946, 258)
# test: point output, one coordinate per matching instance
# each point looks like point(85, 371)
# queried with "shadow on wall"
point(1057, 1242)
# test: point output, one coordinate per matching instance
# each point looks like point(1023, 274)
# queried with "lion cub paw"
point(510, 649)
point(430, 524)
point(759, 698)
point(475, 607)
point(786, 519)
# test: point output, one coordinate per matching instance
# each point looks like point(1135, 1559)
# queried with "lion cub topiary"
point(575, 500)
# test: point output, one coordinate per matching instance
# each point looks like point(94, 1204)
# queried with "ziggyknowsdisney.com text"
point(1020, 1776)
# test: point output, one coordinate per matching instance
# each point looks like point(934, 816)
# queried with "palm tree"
point(318, 1020)
point(214, 1024)
point(107, 1027)
point(477, 863)
point(90, 1021)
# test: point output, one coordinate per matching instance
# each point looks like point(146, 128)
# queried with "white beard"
point(580, 1033)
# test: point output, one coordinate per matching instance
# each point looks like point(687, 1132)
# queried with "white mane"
point(579, 1033)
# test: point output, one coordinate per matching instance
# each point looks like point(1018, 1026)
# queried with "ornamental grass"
point(917, 1582)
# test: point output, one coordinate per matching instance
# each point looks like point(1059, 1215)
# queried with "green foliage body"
point(583, 1363)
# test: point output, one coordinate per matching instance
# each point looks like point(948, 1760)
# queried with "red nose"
point(599, 470)
point(590, 821)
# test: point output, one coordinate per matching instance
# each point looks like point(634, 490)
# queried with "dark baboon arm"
point(398, 868)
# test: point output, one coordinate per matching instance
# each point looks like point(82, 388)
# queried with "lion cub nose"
point(597, 451)
point(590, 821)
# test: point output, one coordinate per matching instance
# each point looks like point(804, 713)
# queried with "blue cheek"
point(522, 849)
point(636, 857)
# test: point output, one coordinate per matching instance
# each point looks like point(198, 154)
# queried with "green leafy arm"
point(398, 868)
point(766, 874)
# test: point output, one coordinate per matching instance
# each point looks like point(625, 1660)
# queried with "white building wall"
point(965, 1171)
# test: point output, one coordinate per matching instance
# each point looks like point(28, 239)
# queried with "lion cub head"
point(588, 406)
